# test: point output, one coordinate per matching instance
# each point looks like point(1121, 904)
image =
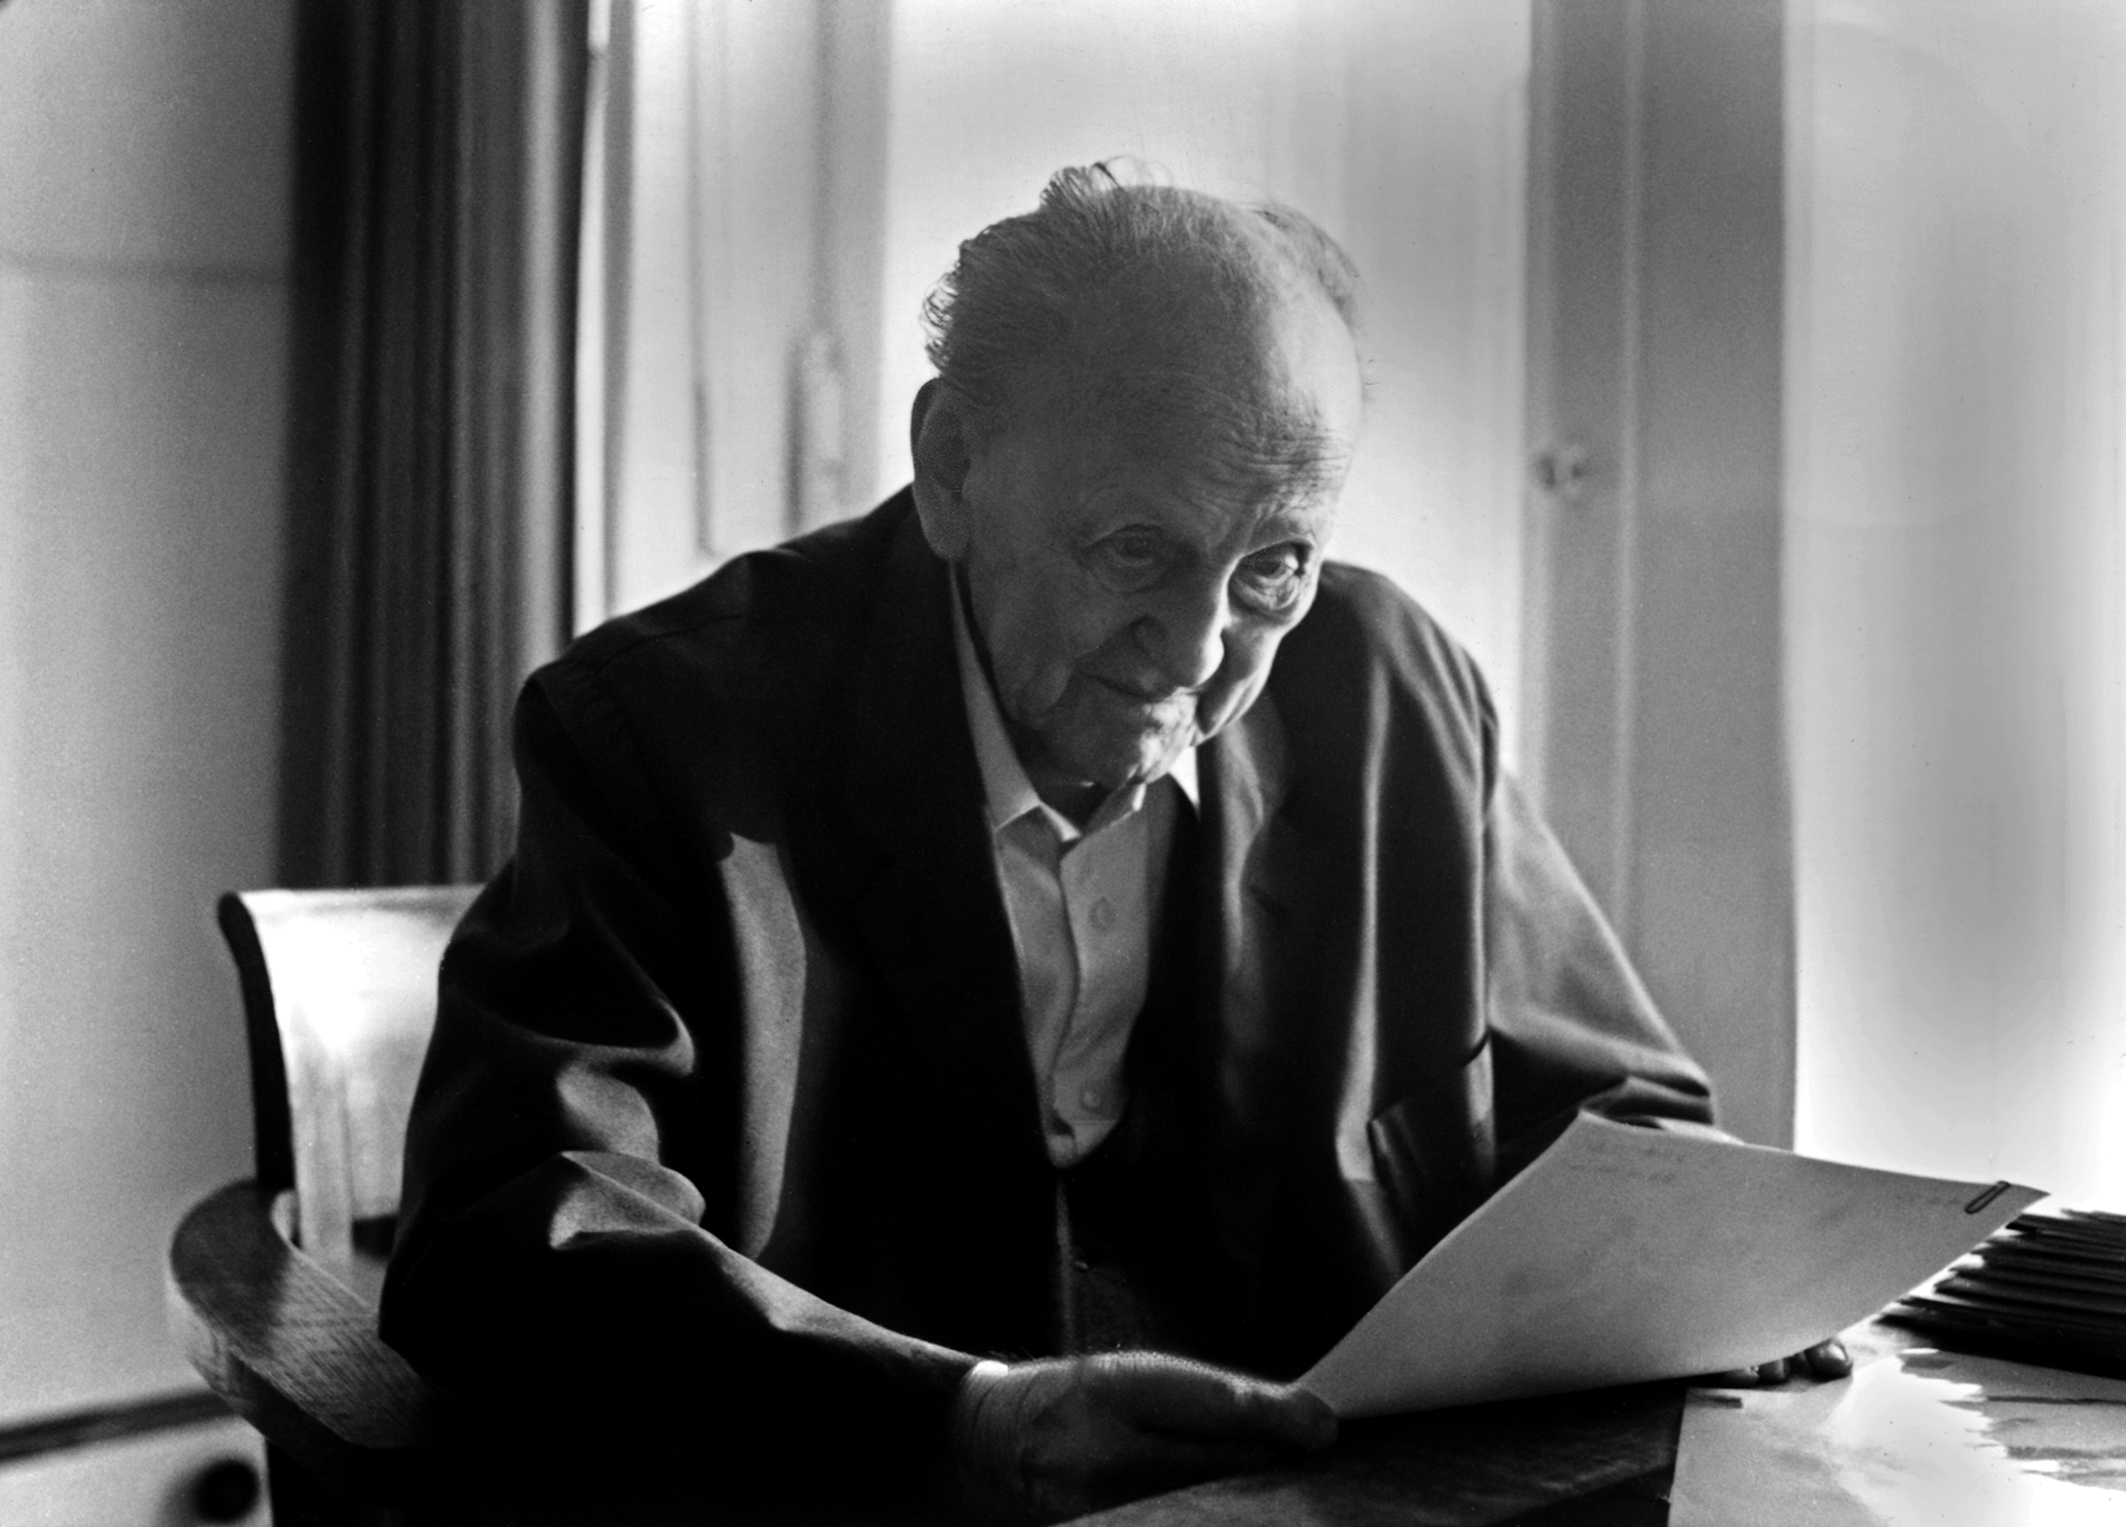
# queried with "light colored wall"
point(1398, 126)
point(143, 169)
point(1956, 605)
point(1655, 660)
point(740, 210)
point(716, 156)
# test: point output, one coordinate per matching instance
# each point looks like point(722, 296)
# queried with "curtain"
point(438, 163)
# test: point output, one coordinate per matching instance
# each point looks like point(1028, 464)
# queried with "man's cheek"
point(1240, 679)
point(1030, 691)
point(1255, 651)
point(1088, 616)
point(1035, 680)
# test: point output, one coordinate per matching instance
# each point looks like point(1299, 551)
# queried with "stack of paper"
point(2050, 1288)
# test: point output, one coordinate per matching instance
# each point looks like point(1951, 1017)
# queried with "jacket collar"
point(1255, 876)
point(927, 908)
point(934, 912)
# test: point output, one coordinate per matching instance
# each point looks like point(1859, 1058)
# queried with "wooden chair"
point(272, 1282)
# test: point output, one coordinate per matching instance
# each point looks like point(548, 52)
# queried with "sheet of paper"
point(1625, 1254)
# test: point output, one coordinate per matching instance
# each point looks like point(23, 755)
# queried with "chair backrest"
point(339, 999)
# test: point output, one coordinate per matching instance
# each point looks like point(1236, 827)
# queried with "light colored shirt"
point(1084, 908)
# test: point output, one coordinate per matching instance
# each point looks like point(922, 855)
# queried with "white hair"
point(1077, 289)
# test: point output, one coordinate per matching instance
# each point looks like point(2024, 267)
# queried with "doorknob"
point(1563, 471)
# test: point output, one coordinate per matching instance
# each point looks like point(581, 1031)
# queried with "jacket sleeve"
point(1571, 1024)
point(552, 1263)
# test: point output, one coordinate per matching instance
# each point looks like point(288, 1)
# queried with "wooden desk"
point(1916, 1435)
point(1588, 1460)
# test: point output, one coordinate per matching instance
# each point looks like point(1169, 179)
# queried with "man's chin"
point(1121, 767)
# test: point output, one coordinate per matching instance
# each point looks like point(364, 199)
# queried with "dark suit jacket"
point(728, 1141)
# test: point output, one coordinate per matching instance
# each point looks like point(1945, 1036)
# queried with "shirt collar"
point(1009, 792)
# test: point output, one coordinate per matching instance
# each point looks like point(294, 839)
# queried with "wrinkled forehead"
point(1264, 403)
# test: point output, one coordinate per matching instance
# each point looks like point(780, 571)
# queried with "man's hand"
point(1036, 1442)
point(1825, 1360)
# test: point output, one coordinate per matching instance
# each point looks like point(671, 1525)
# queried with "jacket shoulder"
point(806, 582)
point(1365, 631)
point(736, 680)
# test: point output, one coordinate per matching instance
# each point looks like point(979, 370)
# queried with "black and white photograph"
point(811, 763)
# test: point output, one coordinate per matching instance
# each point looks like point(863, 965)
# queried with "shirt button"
point(1103, 914)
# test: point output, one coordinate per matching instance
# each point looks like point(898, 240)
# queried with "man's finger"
point(1181, 1398)
point(1729, 1378)
point(1827, 1359)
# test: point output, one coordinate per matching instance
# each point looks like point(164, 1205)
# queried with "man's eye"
point(1272, 579)
point(1132, 557)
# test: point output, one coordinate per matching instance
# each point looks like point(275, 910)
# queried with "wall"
point(1956, 601)
point(1654, 710)
point(729, 385)
point(709, 244)
point(143, 160)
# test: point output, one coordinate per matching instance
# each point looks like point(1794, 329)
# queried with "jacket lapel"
point(932, 915)
point(1256, 874)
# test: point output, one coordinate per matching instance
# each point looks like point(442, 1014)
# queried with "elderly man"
point(988, 992)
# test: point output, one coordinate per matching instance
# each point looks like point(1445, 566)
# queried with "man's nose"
point(1185, 633)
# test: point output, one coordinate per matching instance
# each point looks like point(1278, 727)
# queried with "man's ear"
point(938, 439)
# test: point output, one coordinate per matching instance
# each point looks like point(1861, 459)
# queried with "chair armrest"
point(293, 1352)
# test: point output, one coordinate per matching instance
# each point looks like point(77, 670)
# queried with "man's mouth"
point(1148, 697)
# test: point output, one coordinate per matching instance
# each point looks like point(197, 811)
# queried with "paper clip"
point(1985, 1198)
